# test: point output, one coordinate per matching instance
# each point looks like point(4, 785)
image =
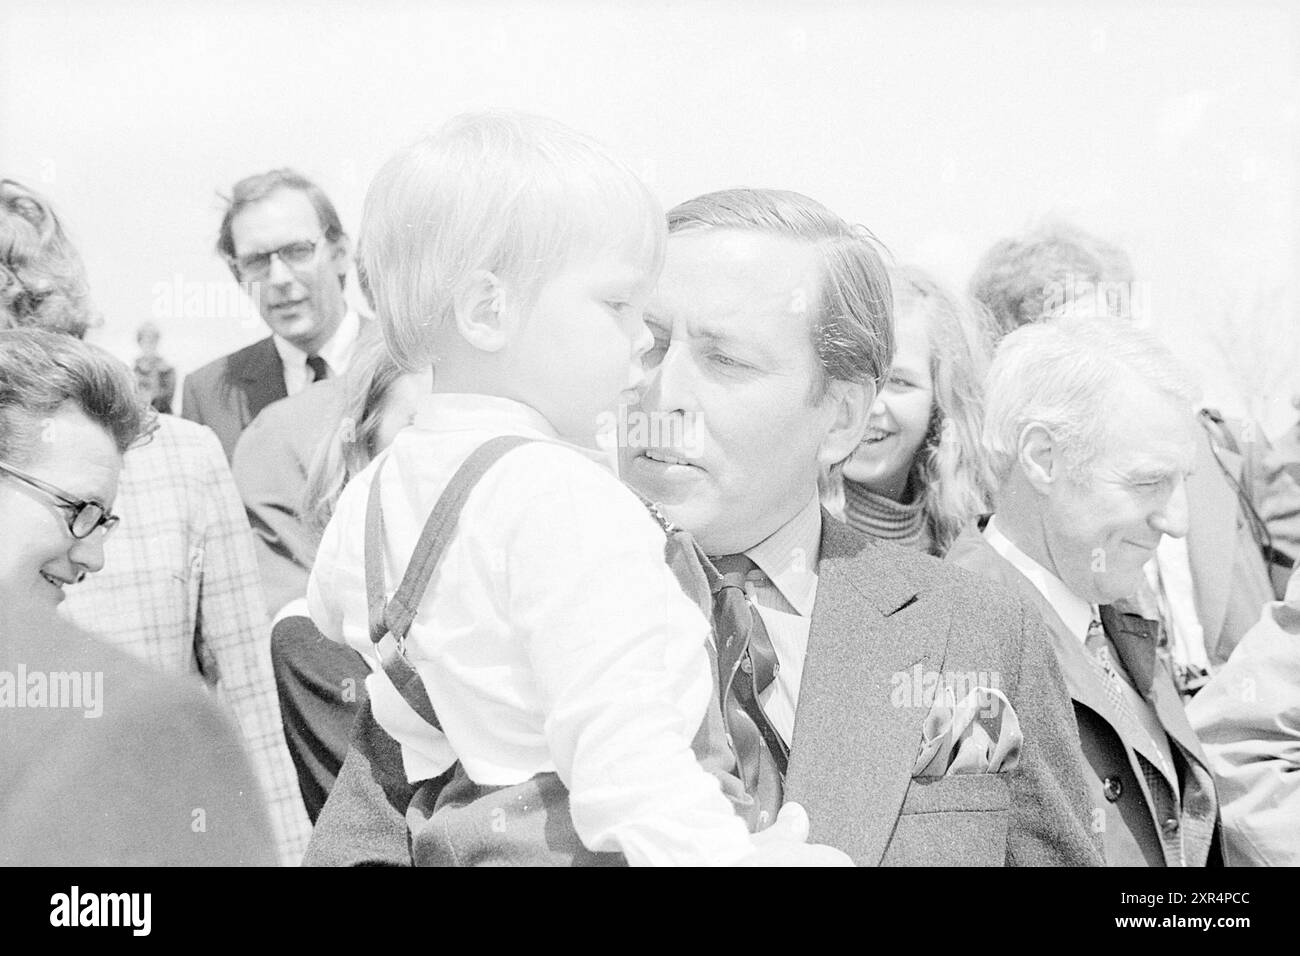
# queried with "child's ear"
point(481, 315)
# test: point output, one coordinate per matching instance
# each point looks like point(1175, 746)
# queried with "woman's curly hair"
point(42, 280)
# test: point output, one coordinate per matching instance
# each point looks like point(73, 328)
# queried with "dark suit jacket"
point(226, 394)
point(880, 611)
point(1134, 810)
point(270, 464)
point(157, 778)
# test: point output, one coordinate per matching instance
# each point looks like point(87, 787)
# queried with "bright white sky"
point(1169, 127)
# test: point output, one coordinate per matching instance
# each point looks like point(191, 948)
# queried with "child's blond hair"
point(516, 195)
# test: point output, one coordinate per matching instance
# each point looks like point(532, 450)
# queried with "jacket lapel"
point(974, 553)
point(1081, 677)
point(261, 377)
point(854, 747)
point(1134, 638)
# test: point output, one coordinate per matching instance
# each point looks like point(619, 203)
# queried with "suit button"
point(746, 665)
point(1170, 827)
point(1113, 787)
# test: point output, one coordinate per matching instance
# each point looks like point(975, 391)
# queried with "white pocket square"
point(979, 734)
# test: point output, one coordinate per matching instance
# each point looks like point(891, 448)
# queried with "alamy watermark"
point(674, 436)
point(1085, 298)
point(53, 690)
point(217, 301)
point(923, 688)
point(129, 910)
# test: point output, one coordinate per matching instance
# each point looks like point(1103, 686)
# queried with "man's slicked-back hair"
point(852, 329)
point(508, 193)
point(1063, 374)
point(1028, 278)
point(41, 371)
point(254, 189)
point(42, 281)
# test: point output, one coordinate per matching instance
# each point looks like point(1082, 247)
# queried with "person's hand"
point(785, 843)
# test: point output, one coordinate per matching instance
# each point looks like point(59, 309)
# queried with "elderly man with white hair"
point(1091, 436)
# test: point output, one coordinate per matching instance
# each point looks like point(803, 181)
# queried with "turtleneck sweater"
point(886, 519)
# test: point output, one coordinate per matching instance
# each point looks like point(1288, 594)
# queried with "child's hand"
point(785, 843)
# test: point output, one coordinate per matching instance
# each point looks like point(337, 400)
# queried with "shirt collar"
point(789, 556)
point(466, 411)
point(1076, 613)
point(337, 352)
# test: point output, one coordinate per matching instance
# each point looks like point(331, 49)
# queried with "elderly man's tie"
point(746, 667)
point(1099, 653)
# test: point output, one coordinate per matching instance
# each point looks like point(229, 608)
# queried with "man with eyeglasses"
point(282, 240)
point(83, 516)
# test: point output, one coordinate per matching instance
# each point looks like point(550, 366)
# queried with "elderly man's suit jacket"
point(1145, 819)
point(881, 611)
point(226, 394)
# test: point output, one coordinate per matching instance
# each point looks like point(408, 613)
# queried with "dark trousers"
point(321, 686)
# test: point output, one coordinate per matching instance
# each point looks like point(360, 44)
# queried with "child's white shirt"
point(552, 636)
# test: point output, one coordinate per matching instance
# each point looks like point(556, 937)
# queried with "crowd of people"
point(615, 536)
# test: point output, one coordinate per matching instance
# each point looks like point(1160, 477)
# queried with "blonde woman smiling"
point(920, 474)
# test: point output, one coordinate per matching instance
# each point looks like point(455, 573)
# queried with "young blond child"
point(516, 257)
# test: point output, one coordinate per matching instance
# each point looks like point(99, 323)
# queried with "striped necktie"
point(746, 667)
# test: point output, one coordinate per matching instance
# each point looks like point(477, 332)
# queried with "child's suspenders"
point(390, 620)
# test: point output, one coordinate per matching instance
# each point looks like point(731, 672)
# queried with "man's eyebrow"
point(714, 335)
point(1152, 472)
point(702, 331)
point(696, 330)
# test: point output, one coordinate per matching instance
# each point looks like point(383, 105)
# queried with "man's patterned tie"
point(746, 667)
point(1104, 664)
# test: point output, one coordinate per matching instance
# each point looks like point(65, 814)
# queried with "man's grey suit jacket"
point(880, 611)
point(226, 394)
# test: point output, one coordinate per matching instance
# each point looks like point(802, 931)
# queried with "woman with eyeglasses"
point(68, 412)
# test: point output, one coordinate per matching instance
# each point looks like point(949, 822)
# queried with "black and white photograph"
point(651, 433)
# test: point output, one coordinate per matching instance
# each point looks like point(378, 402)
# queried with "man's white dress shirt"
point(784, 593)
point(337, 353)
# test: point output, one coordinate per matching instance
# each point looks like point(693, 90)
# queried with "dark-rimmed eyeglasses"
point(83, 516)
point(294, 255)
